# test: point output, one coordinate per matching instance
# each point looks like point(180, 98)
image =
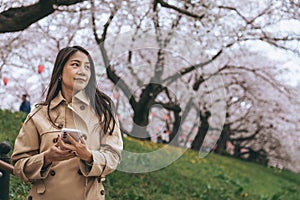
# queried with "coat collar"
point(79, 97)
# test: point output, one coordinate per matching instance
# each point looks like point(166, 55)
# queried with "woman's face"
point(76, 73)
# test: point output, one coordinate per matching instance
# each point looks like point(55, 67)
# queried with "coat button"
point(79, 172)
point(29, 198)
point(52, 173)
point(60, 126)
point(102, 192)
point(82, 107)
point(54, 140)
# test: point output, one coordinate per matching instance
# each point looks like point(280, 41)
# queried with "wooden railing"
point(6, 166)
point(5, 170)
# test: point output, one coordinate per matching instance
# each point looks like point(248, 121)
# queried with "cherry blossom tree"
point(189, 69)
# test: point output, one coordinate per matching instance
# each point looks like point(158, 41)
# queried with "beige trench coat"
point(71, 179)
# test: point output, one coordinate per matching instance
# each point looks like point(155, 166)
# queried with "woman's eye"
point(75, 64)
point(87, 67)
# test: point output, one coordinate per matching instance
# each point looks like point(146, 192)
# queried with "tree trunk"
point(221, 144)
point(202, 131)
point(176, 129)
point(140, 132)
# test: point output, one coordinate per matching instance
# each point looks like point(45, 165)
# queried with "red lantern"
point(167, 117)
point(116, 95)
point(153, 114)
point(41, 68)
point(5, 81)
point(229, 145)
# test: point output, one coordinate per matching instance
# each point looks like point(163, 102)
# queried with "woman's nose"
point(81, 70)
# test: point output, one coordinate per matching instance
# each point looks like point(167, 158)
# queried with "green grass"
point(10, 124)
point(214, 177)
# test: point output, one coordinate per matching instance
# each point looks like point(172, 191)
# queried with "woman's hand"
point(57, 154)
point(79, 148)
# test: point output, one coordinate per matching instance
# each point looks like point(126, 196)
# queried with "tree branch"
point(17, 19)
point(111, 73)
point(247, 138)
point(248, 21)
point(185, 12)
point(189, 69)
point(264, 76)
point(168, 106)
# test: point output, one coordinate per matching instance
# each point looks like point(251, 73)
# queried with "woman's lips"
point(79, 79)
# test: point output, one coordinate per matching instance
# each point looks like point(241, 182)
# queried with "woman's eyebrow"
point(79, 61)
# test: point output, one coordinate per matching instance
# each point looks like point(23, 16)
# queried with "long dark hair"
point(100, 102)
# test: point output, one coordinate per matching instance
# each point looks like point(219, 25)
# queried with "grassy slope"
point(213, 177)
point(189, 177)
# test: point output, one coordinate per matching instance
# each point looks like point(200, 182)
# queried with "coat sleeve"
point(106, 160)
point(26, 157)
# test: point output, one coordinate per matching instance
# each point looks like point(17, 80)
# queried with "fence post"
point(4, 175)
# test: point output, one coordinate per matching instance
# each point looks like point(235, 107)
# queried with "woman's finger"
point(71, 139)
point(82, 140)
point(64, 146)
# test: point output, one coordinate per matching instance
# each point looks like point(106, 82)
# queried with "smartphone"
point(75, 133)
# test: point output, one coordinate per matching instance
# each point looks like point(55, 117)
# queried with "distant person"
point(25, 105)
point(165, 137)
point(159, 139)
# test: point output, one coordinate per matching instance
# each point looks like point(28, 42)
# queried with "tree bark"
point(18, 19)
point(202, 131)
point(221, 144)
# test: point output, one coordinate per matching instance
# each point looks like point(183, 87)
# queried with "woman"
point(59, 170)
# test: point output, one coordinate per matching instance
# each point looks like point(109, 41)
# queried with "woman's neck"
point(67, 94)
